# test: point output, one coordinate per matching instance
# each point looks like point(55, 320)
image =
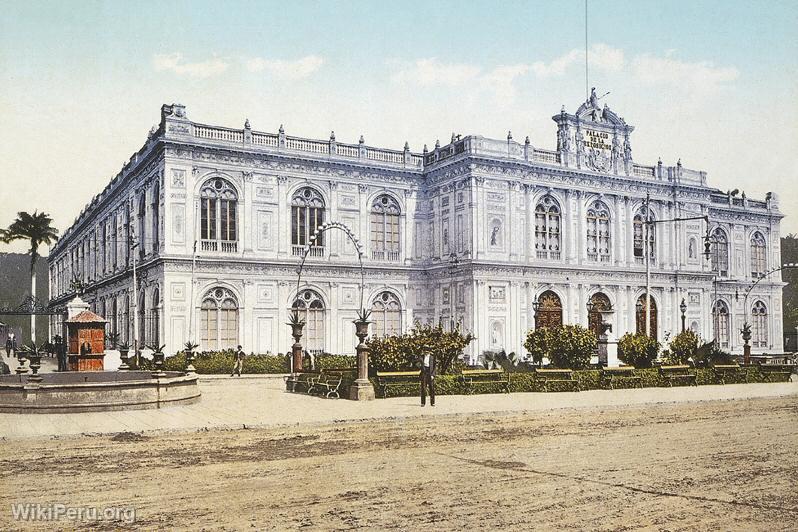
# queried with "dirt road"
point(714, 465)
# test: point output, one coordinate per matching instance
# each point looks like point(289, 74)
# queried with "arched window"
point(142, 315)
point(640, 321)
point(598, 232)
point(547, 229)
point(114, 234)
point(156, 234)
point(719, 252)
point(311, 309)
point(218, 226)
point(113, 319)
point(307, 214)
point(386, 313)
point(721, 325)
point(758, 255)
point(140, 238)
point(385, 213)
point(640, 237)
point(599, 302)
point(126, 245)
point(219, 320)
point(549, 311)
point(155, 319)
point(124, 313)
point(759, 330)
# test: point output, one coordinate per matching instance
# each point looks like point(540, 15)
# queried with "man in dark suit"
point(428, 379)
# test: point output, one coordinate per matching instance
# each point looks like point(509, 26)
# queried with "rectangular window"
point(392, 238)
point(227, 219)
point(376, 232)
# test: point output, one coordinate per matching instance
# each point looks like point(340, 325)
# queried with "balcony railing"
point(315, 251)
point(225, 246)
point(595, 257)
point(548, 255)
point(328, 148)
point(385, 255)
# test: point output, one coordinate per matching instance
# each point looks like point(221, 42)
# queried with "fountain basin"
point(95, 391)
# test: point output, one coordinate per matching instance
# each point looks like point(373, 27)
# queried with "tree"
point(682, 347)
point(403, 352)
point(638, 350)
point(37, 228)
point(566, 346)
point(789, 254)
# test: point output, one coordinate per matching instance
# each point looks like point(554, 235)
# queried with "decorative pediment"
point(595, 138)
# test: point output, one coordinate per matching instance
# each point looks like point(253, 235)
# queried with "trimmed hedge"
point(221, 362)
point(588, 380)
point(330, 361)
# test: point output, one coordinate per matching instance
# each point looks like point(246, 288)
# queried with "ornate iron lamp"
point(683, 308)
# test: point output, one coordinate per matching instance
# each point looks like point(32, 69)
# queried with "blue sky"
point(712, 83)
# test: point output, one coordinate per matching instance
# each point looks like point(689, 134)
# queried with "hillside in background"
point(15, 287)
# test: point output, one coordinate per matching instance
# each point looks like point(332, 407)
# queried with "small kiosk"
point(86, 340)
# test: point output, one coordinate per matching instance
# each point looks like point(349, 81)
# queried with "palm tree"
point(36, 228)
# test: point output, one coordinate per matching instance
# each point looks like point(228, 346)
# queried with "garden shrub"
point(566, 346)
point(509, 362)
point(682, 347)
point(538, 342)
point(404, 352)
point(637, 350)
point(330, 361)
point(710, 354)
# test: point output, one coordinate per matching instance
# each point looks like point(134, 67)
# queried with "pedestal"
point(87, 362)
point(612, 354)
point(361, 391)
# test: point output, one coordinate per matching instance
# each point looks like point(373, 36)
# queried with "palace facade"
point(479, 232)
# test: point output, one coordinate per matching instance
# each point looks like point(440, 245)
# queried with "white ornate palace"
point(478, 232)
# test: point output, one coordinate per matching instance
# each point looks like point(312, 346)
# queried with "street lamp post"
point(683, 308)
point(536, 307)
point(649, 223)
point(639, 307)
point(746, 329)
point(647, 253)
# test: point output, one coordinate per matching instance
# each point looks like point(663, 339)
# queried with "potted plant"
point(189, 348)
point(34, 356)
point(124, 349)
point(157, 360)
point(296, 324)
point(362, 323)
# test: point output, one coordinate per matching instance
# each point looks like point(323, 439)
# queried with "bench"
point(388, 379)
point(339, 371)
point(552, 376)
point(677, 374)
point(300, 380)
point(470, 377)
point(327, 384)
point(725, 373)
point(781, 370)
point(625, 374)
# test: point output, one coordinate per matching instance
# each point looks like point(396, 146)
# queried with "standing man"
point(239, 365)
point(428, 379)
point(9, 344)
point(13, 338)
point(60, 353)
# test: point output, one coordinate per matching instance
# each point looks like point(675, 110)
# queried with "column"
point(618, 227)
point(581, 228)
point(568, 236)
